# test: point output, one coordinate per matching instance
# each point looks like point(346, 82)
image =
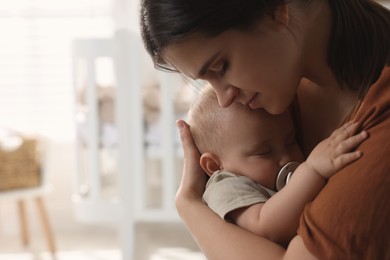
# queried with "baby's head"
point(205, 121)
point(246, 142)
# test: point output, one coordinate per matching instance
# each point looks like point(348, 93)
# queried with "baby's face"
point(258, 144)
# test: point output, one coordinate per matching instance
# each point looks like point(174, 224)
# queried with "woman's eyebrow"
point(206, 65)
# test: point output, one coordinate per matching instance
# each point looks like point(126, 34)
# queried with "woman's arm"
point(218, 239)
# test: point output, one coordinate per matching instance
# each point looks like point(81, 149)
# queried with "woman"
point(331, 59)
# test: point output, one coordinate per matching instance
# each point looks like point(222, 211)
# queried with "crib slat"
point(131, 204)
point(93, 130)
point(130, 136)
point(168, 141)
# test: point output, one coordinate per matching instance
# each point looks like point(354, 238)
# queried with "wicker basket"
point(20, 168)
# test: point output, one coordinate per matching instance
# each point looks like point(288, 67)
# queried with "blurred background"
point(89, 154)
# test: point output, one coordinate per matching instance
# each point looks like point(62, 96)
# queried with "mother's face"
point(258, 69)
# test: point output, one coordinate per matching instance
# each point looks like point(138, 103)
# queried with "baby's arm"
point(278, 218)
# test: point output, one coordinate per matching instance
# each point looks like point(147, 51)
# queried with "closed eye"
point(265, 153)
point(219, 69)
point(224, 68)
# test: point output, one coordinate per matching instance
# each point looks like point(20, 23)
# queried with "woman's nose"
point(226, 93)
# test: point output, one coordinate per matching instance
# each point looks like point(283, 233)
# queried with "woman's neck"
point(324, 102)
point(323, 109)
point(316, 33)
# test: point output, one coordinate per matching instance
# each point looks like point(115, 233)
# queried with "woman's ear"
point(210, 163)
point(282, 14)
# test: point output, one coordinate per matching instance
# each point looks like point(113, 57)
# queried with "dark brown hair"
point(164, 22)
point(358, 47)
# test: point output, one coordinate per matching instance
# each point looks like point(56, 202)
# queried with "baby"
point(242, 150)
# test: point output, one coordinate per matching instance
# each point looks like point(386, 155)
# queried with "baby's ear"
point(210, 163)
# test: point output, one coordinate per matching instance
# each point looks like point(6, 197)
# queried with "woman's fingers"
point(193, 179)
point(189, 147)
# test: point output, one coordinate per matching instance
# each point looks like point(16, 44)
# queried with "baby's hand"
point(335, 152)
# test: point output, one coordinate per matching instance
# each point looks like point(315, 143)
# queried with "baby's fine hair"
point(204, 123)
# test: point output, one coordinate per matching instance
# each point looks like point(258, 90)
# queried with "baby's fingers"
point(351, 142)
point(343, 128)
point(346, 158)
point(344, 132)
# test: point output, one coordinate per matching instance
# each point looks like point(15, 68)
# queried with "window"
point(36, 84)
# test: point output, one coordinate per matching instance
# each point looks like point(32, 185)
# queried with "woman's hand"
point(216, 238)
point(194, 180)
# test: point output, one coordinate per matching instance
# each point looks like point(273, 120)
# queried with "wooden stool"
point(43, 216)
point(23, 177)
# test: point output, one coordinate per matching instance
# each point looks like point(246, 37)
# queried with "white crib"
point(125, 201)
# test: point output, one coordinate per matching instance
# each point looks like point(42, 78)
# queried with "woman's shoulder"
point(376, 101)
point(381, 88)
point(365, 181)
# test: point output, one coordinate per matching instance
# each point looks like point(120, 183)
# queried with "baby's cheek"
point(266, 175)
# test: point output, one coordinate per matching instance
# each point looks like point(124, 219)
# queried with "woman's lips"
point(252, 102)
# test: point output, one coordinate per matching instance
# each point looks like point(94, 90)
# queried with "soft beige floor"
point(153, 242)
